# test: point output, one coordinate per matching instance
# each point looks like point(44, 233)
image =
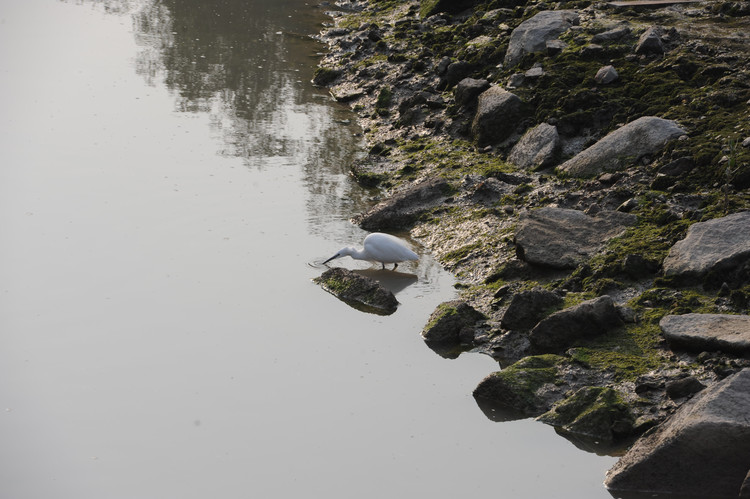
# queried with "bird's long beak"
point(334, 256)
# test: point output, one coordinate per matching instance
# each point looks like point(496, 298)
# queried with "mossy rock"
point(595, 412)
point(516, 387)
point(431, 7)
point(447, 322)
point(358, 291)
point(325, 76)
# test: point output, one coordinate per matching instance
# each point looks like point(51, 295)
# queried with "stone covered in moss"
point(361, 292)
point(447, 322)
point(597, 413)
point(523, 386)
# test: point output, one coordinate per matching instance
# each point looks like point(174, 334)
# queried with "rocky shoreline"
point(583, 169)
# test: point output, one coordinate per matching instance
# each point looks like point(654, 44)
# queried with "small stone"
point(534, 72)
point(610, 35)
point(516, 80)
point(468, 89)
point(592, 50)
point(628, 206)
point(537, 148)
point(606, 75)
point(678, 167)
point(680, 388)
point(555, 47)
point(650, 41)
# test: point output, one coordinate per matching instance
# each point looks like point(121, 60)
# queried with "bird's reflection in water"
point(391, 280)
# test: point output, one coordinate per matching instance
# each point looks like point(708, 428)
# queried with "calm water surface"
point(168, 178)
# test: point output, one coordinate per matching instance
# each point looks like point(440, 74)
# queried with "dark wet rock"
point(527, 387)
point(606, 75)
point(647, 383)
point(428, 8)
point(498, 113)
point(611, 35)
point(555, 47)
point(628, 205)
point(508, 346)
point(679, 388)
point(678, 167)
point(325, 76)
point(587, 319)
point(516, 80)
point(598, 413)
point(469, 89)
point(702, 450)
point(457, 71)
point(538, 148)
point(592, 51)
point(623, 147)
point(718, 249)
point(708, 332)
point(527, 308)
point(564, 238)
point(532, 35)
point(650, 41)
point(745, 489)
point(403, 208)
point(361, 292)
point(449, 322)
point(347, 92)
point(638, 267)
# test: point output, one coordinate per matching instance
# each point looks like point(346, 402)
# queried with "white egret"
point(379, 247)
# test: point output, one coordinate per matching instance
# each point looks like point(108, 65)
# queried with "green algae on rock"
point(596, 413)
point(358, 291)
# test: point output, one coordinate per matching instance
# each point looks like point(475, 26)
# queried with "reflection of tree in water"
point(243, 63)
point(249, 65)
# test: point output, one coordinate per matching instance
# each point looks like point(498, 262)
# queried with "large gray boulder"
point(498, 113)
point(708, 332)
point(402, 209)
point(537, 148)
point(532, 35)
point(563, 238)
point(560, 330)
point(703, 450)
point(623, 147)
point(721, 246)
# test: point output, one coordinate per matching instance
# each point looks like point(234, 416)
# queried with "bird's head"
point(340, 253)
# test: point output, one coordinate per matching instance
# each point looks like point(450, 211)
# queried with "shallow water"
point(169, 180)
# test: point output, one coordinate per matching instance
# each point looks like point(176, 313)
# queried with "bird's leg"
point(383, 264)
point(395, 265)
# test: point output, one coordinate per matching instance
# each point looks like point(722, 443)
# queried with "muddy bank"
point(583, 169)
